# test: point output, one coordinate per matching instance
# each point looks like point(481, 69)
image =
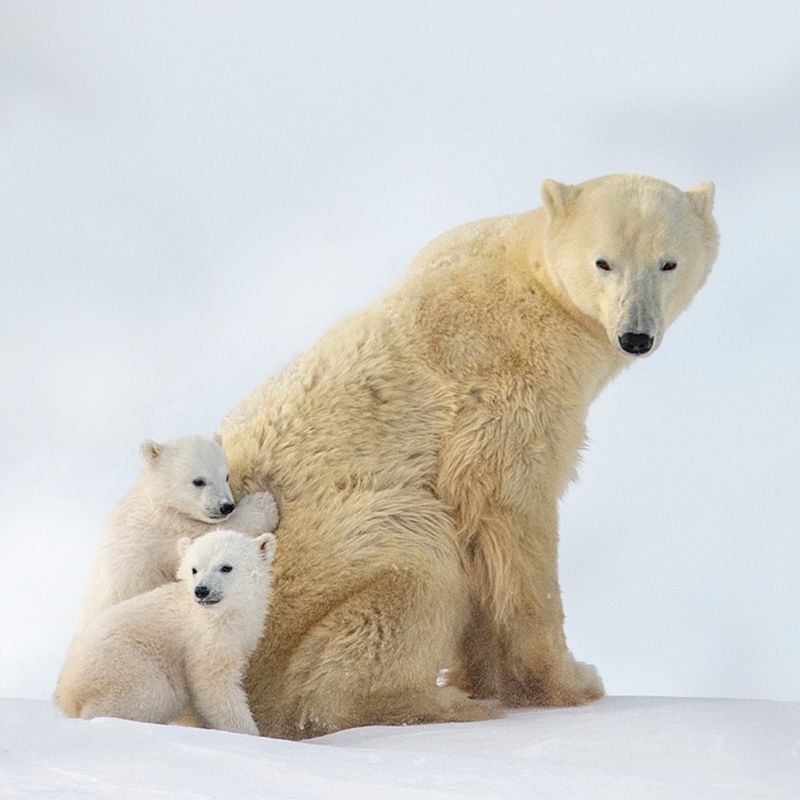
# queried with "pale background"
point(191, 193)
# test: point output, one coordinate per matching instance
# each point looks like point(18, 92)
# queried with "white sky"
point(191, 193)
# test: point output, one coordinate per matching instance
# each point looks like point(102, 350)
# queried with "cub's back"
point(143, 633)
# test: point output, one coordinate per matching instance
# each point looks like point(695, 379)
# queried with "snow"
point(620, 747)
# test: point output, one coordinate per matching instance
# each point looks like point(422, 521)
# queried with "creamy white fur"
point(138, 550)
point(636, 227)
point(155, 656)
point(419, 449)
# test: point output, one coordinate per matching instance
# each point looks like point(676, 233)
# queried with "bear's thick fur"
point(181, 646)
point(419, 450)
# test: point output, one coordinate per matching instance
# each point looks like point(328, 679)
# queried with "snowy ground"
point(621, 748)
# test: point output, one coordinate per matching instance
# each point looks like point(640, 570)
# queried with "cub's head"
point(223, 568)
point(630, 252)
point(189, 475)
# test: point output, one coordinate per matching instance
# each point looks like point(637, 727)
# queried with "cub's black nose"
point(226, 508)
point(636, 343)
point(201, 591)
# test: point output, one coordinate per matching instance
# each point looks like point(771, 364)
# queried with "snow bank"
point(618, 748)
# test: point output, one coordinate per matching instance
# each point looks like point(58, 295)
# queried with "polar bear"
point(419, 450)
point(182, 491)
point(179, 646)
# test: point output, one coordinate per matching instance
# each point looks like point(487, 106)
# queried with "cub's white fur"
point(138, 551)
point(180, 646)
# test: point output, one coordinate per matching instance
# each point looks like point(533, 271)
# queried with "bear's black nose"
point(226, 508)
point(636, 343)
point(201, 591)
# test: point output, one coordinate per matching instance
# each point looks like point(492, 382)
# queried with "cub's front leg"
point(218, 698)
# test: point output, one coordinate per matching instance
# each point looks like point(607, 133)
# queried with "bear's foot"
point(573, 684)
point(412, 707)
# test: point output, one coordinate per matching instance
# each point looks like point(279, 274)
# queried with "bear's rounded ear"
point(182, 546)
point(218, 439)
point(555, 197)
point(702, 198)
point(150, 450)
point(267, 543)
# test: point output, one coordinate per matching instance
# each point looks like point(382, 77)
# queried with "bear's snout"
point(636, 343)
point(201, 592)
point(226, 509)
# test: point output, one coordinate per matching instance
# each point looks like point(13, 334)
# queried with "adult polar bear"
point(419, 450)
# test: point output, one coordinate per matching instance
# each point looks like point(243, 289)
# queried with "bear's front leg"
point(516, 566)
point(537, 668)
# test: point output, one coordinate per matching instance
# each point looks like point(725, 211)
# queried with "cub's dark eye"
point(668, 266)
point(227, 478)
point(199, 482)
point(194, 571)
point(226, 568)
point(601, 263)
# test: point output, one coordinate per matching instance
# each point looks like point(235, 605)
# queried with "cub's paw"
point(256, 513)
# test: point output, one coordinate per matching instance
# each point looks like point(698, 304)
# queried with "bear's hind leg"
point(476, 672)
point(374, 659)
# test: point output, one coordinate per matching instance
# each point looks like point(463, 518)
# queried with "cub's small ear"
point(267, 543)
point(702, 198)
point(150, 450)
point(556, 197)
point(218, 439)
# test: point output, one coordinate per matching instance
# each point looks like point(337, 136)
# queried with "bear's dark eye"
point(226, 568)
point(227, 478)
point(194, 571)
point(199, 482)
point(601, 263)
point(668, 266)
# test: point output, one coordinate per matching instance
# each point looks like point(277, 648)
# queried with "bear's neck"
point(484, 304)
point(528, 262)
point(526, 237)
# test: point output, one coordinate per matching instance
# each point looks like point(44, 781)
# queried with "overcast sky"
point(191, 193)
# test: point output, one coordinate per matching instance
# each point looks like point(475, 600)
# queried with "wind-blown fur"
point(419, 450)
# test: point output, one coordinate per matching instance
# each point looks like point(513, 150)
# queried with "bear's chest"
point(511, 442)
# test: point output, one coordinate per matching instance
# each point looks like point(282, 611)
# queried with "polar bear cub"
point(183, 491)
point(184, 645)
